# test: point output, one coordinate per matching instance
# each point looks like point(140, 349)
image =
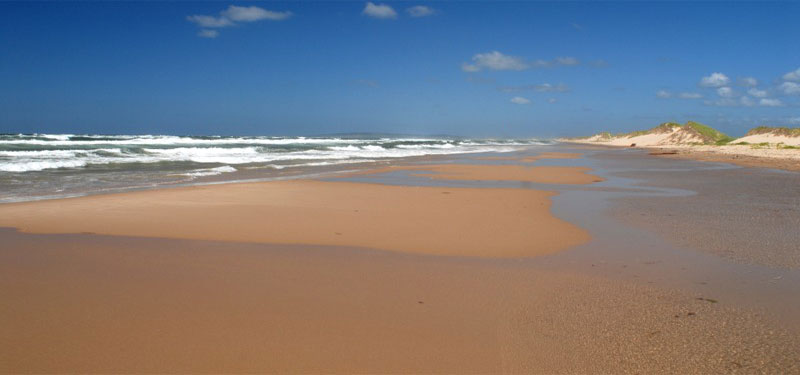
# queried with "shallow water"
point(621, 251)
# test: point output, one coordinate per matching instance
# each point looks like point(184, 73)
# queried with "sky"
point(499, 69)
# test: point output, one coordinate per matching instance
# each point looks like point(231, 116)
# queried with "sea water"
point(38, 166)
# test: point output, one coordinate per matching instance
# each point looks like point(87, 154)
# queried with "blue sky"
point(466, 68)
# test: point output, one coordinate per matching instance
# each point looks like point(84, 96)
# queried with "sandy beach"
point(451, 221)
point(333, 275)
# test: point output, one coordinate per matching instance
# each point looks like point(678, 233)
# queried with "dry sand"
point(769, 156)
point(431, 220)
point(744, 155)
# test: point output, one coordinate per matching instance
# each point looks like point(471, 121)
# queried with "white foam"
point(211, 171)
point(66, 153)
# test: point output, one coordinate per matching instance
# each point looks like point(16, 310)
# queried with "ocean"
point(43, 166)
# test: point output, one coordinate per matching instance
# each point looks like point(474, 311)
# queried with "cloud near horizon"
point(232, 16)
point(381, 11)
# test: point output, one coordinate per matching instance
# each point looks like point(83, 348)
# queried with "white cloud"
point(520, 100)
point(746, 101)
point(748, 81)
point(207, 33)
point(420, 11)
point(690, 95)
point(552, 100)
point(567, 61)
point(770, 103)
point(232, 15)
point(757, 93)
point(253, 13)
point(715, 80)
point(792, 76)
point(726, 92)
point(379, 11)
point(209, 21)
point(790, 88)
point(495, 61)
point(663, 94)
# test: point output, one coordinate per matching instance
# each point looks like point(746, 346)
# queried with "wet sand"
point(490, 172)
point(626, 301)
point(748, 215)
point(87, 303)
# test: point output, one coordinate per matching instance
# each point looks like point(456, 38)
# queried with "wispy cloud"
point(382, 11)
point(715, 80)
point(757, 93)
point(567, 61)
point(520, 100)
point(726, 92)
point(599, 63)
point(748, 82)
point(208, 33)
point(542, 87)
point(663, 94)
point(232, 16)
point(253, 13)
point(420, 11)
point(209, 21)
point(495, 60)
point(690, 95)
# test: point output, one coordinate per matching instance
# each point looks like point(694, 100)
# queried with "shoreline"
point(433, 220)
point(454, 294)
point(302, 172)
